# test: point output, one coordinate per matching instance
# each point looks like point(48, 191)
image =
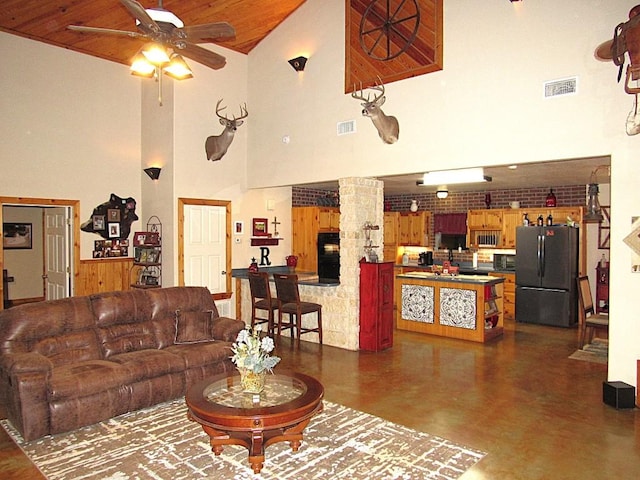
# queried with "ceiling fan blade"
point(147, 24)
point(208, 31)
point(603, 51)
point(202, 55)
point(107, 31)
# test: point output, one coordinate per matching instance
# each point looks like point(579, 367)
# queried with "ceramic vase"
point(251, 381)
point(414, 206)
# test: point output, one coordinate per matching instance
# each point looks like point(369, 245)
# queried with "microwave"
point(504, 261)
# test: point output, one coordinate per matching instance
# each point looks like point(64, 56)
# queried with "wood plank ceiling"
point(46, 21)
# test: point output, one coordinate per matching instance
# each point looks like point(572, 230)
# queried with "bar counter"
point(468, 307)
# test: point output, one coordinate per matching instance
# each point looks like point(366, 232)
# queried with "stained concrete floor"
point(537, 413)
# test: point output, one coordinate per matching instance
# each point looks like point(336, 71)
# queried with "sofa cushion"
point(197, 355)
point(124, 322)
point(85, 378)
point(165, 302)
point(194, 327)
point(68, 348)
point(146, 364)
point(49, 328)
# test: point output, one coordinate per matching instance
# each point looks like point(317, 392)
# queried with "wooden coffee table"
point(279, 414)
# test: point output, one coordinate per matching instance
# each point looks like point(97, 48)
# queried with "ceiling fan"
point(165, 28)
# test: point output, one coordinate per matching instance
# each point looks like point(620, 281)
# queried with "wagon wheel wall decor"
point(388, 29)
point(389, 40)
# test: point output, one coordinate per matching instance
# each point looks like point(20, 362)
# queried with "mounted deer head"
point(387, 126)
point(217, 145)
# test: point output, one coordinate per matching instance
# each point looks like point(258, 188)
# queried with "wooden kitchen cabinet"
point(391, 236)
point(484, 219)
point(511, 219)
point(306, 223)
point(413, 228)
point(508, 293)
point(329, 219)
point(376, 306)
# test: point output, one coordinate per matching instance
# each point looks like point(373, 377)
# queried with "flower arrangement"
point(251, 352)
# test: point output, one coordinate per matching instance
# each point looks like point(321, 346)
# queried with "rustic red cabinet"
point(376, 306)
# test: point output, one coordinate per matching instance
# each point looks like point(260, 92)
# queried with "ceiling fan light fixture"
point(156, 54)
point(141, 67)
point(178, 68)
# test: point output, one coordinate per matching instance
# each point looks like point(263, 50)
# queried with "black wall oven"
point(329, 257)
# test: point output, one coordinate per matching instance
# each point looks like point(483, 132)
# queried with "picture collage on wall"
point(110, 248)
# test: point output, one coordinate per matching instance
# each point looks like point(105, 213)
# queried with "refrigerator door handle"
point(539, 255)
point(542, 255)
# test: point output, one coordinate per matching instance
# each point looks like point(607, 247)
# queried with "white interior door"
point(57, 231)
point(205, 247)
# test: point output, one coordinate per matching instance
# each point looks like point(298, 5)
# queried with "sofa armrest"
point(227, 329)
point(24, 379)
point(14, 364)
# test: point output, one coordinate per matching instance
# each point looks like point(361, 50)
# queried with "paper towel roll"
point(475, 259)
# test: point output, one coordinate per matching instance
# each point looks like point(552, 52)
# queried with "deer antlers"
point(243, 112)
point(378, 86)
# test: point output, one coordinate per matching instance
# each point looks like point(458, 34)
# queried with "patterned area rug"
point(161, 443)
point(596, 351)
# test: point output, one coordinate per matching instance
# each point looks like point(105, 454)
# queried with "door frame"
point(182, 202)
point(75, 230)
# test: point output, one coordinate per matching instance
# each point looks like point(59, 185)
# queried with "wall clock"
point(388, 28)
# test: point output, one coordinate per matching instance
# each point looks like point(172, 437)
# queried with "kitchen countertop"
point(482, 269)
point(463, 278)
point(304, 278)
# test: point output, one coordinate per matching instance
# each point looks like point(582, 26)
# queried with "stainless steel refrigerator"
point(546, 272)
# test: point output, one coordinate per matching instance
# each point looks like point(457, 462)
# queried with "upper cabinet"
point(413, 228)
point(497, 228)
point(306, 223)
point(328, 219)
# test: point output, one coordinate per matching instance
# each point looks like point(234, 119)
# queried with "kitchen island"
point(468, 307)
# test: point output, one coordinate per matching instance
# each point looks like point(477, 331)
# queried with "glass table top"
point(278, 389)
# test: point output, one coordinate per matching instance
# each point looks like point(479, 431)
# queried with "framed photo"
point(114, 230)
point(98, 222)
point(238, 228)
point(139, 238)
point(152, 238)
point(113, 214)
point(260, 227)
point(17, 235)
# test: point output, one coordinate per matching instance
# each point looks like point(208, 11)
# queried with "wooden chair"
point(261, 300)
point(290, 303)
point(589, 320)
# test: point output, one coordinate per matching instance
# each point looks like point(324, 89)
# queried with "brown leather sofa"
point(80, 360)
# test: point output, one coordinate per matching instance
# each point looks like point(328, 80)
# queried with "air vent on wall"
point(345, 128)
point(565, 86)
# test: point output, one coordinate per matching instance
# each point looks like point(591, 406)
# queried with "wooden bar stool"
point(261, 300)
point(290, 303)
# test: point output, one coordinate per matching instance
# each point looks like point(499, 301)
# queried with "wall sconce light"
point(298, 63)
point(442, 192)
point(153, 172)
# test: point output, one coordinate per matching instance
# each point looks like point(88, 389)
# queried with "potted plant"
point(252, 359)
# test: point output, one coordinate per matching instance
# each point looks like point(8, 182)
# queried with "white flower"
point(251, 352)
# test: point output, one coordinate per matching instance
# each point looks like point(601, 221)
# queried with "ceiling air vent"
point(345, 128)
point(564, 86)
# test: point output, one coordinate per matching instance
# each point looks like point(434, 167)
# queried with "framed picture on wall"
point(260, 227)
point(114, 230)
point(17, 235)
point(238, 228)
point(98, 222)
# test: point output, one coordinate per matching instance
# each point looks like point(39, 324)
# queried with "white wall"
point(484, 108)
point(70, 127)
